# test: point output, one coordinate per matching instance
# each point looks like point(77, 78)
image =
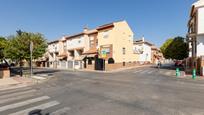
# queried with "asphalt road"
point(140, 91)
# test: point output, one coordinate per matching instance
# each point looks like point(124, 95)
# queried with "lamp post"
point(31, 54)
point(55, 64)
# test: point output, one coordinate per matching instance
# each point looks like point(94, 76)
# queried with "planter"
point(4, 73)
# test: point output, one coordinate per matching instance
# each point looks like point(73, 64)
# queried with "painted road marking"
point(144, 71)
point(15, 98)
point(150, 72)
point(17, 94)
point(13, 87)
point(14, 90)
point(43, 106)
point(23, 103)
point(138, 71)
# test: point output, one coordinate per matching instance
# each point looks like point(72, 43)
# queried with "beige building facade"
point(106, 47)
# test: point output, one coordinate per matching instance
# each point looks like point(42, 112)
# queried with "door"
point(99, 64)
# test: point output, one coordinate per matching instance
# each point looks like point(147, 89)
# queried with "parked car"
point(178, 63)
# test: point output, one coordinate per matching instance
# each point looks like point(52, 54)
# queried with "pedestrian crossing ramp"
point(28, 101)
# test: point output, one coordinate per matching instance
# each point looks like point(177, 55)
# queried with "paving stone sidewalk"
point(17, 81)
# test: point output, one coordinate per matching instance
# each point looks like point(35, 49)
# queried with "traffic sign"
point(103, 54)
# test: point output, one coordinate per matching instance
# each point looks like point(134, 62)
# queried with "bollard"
point(194, 74)
point(177, 72)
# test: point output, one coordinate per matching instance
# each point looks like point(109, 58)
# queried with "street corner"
point(23, 80)
point(8, 81)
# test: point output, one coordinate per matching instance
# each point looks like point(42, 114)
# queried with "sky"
point(156, 20)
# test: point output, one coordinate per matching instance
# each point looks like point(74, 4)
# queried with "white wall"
point(76, 43)
point(201, 20)
point(200, 45)
point(146, 55)
point(53, 47)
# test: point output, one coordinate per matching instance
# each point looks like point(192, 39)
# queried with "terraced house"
point(196, 37)
point(106, 47)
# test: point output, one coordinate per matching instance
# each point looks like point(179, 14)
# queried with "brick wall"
point(4, 73)
point(120, 65)
point(114, 66)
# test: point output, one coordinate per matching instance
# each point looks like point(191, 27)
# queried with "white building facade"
point(196, 29)
point(143, 48)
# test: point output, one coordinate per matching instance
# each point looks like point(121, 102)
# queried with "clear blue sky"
point(157, 20)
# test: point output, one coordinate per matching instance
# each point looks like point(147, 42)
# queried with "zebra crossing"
point(144, 71)
point(23, 100)
point(152, 72)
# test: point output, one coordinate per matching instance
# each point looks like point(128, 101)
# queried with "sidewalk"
point(8, 81)
point(15, 82)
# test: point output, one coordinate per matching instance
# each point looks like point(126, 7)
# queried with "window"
point(96, 42)
point(123, 51)
point(106, 49)
point(79, 41)
point(105, 34)
point(91, 41)
point(111, 61)
point(64, 46)
point(89, 61)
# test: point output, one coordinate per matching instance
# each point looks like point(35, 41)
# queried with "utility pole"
point(31, 58)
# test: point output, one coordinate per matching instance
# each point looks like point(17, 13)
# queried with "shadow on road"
point(26, 70)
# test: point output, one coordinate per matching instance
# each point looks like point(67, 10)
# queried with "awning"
point(91, 51)
point(80, 58)
point(91, 55)
point(62, 57)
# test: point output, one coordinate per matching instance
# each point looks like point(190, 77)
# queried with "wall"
point(123, 38)
point(4, 73)
point(77, 42)
point(146, 54)
point(201, 20)
point(200, 45)
point(53, 47)
point(120, 36)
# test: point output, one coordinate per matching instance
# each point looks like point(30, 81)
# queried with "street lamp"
point(31, 53)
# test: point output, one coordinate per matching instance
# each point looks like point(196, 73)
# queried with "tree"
point(164, 47)
point(2, 47)
point(175, 48)
point(18, 46)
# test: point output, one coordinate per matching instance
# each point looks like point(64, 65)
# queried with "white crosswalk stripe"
point(16, 98)
point(20, 102)
point(14, 90)
point(17, 94)
point(144, 71)
point(42, 106)
point(149, 72)
point(13, 87)
point(23, 103)
point(137, 71)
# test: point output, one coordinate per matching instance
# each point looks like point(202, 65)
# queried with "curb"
point(97, 71)
point(113, 71)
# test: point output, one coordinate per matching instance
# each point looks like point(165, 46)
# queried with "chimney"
point(86, 28)
point(143, 39)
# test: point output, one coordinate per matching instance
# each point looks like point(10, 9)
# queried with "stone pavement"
point(8, 81)
point(17, 81)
